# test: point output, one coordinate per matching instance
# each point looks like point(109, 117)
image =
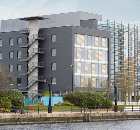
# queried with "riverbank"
point(12, 119)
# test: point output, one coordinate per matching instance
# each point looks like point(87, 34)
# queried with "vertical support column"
point(134, 64)
point(33, 26)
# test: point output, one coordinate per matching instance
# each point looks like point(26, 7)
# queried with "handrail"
point(32, 39)
point(32, 67)
point(32, 53)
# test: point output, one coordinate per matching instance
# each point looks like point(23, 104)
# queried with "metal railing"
point(24, 30)
point(32, 39)
point(31, 68)
point(35, 79)
point(32, 54)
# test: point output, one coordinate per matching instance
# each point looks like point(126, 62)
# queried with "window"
point(78, 53)
point(93, 68)
point(10, 68)
point(53, 79)
point(53, 52)
point(19, 40)
point(78, 67)
point(103, 42)
point(93, 81)
point(11, 41)
point(80, 39)
point(53, 38)
point(0, 55)
point(11, 54)
point(18, 81)
point(103, 69)
point(89, 54)
point(84, 81)
point(98, 55)
point(18, 54)
point(18, 67)
point(0, 42)
point(53, 66)
point(96, 41)
point(86, 68)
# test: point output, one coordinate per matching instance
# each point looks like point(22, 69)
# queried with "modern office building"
point(70, 50)
point(67, 49)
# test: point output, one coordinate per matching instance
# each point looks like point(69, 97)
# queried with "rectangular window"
point(84, 81)
point(19, 40)
point(18, 54)
point(18, 67)
point(86, 68)
point(0, 55)
point(98, 55)
point(53, 66)
point(103, 42)
point(78, 53)
point(78, 67)
point(53, 80)
point(53, 38)
point(103, 69)
point(80, 39)
point(11, 54)
point(96, 41)
point(93, 68)
point(18, 81)
point(10, 68)
point(0, 42)
point(93, 81)
point(89, 54)
point(11, 41)
point(53, 52)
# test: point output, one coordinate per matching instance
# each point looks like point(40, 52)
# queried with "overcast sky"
point(118, 10)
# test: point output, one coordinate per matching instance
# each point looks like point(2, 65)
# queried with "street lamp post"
point(115, 99)
point(72, 77)
point(49, 106)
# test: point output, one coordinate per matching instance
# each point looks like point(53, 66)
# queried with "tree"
point(122, 83)
point(105, 86)
point(6, 77)
point(87, 83)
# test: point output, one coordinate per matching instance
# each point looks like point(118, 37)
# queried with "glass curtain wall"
point(90, 60)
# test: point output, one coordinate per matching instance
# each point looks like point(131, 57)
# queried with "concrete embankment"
point(65, 117)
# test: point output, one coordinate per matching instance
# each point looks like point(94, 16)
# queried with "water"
point(107, 125)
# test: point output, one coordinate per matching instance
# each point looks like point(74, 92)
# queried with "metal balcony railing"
point(24, 30)
point(32, 54)
point(32, 39)
point(35, 79)
point(32, 67)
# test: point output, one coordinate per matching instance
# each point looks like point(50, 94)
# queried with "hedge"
point(14, 95)
point(87, 98)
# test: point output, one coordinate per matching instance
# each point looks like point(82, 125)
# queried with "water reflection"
point(107, 125)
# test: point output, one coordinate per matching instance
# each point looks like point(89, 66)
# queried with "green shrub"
point(5, 103)
point(66, 103)
point(87, 98)
point(14, 95)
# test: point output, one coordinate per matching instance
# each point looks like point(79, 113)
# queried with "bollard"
point(3, 110)
point(71, 109)
point(90, 109)
point(27, 109)
point(81, 109)
point(132, 108)
point(15, 110)
point(38, 109)
point(84, 109)
point(107, 108)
